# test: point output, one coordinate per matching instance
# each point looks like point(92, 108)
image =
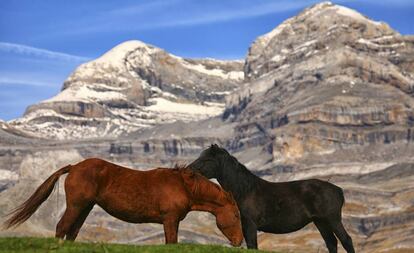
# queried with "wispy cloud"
point(38, 52)
point(142, 7)
point(243, 12)
point(160, 14)
point(138, 15)
point(24, 82)
point(179, 13)
point(391, 3)
point(257, 9)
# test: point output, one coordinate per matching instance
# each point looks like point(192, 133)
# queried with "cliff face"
point(327, 94)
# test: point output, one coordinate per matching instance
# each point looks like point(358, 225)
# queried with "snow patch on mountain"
point(164, 105)
point(85, 93)
point(215, 72)
point(344, 11)
point(117, 56)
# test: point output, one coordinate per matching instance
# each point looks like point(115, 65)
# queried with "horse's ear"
point(215, 146)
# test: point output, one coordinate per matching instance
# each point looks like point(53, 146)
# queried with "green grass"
point(52, 245)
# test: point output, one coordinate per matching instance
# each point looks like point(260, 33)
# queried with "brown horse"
point(161, 195)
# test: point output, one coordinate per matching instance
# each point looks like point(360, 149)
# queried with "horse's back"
point(321, 198)
point(102, 173)
point(130, 195)
point(327, 189)
point(308, 186)
point(313, 195)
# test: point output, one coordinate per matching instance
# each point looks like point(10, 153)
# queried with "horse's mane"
point(199, 185)
point(231, 160)
point(241, 178)
point(181, 167)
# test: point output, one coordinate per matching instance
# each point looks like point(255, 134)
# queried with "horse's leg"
point(67, 220)
point(249, 232)
point(80, 194)
point(74, 230)
point(75, 205)
point(327, 235)
point(343, 236)
point(171, 229)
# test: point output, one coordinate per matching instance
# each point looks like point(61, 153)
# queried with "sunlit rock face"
point(327, 94)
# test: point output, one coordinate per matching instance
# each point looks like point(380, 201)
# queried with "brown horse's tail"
point(25, 210)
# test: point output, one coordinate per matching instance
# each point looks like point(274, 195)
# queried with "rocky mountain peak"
point(320, 25)
point(320, 79)
point(133, 85)
point(115, 60)
point(119, 53)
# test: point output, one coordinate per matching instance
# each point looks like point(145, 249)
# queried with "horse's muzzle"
point(236, 243)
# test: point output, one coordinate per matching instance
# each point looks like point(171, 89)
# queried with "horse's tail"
point(25, 210)
point(341, 196)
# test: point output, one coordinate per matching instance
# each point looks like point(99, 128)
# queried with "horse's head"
point(225, 208)
point(209, 162)
point(228, 221)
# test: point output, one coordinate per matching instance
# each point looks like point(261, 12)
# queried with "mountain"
point(325, 80)
point(327, 94)
point(132, 86)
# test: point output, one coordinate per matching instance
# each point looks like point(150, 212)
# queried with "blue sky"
point(42, 42)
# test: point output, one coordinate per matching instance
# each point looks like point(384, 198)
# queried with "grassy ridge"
point(52, 245)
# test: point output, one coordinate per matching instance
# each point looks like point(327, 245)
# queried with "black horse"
point(277, 207)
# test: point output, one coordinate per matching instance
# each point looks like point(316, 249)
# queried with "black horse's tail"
point(25, 210)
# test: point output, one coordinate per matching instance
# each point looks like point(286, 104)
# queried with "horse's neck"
point(207, 197)
point(236, 178)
